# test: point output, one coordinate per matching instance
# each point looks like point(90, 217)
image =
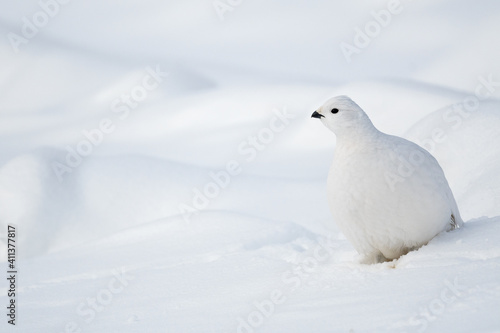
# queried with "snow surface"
point(106, 248)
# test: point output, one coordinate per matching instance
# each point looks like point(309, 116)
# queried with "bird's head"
point(341, 115)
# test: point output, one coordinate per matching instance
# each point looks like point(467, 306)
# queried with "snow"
point(105, 247)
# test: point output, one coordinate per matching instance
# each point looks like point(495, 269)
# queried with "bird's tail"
point(455, 223)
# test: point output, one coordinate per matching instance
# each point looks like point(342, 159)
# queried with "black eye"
point(335, 110)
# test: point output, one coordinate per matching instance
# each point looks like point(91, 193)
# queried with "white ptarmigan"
point(388, 195)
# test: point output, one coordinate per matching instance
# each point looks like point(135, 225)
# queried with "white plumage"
point(387, 194)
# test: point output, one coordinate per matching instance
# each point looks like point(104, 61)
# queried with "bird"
point(388, 195)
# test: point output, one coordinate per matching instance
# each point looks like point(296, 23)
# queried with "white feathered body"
point(388, 195)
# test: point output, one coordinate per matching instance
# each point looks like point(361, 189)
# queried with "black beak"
point(316, 115)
